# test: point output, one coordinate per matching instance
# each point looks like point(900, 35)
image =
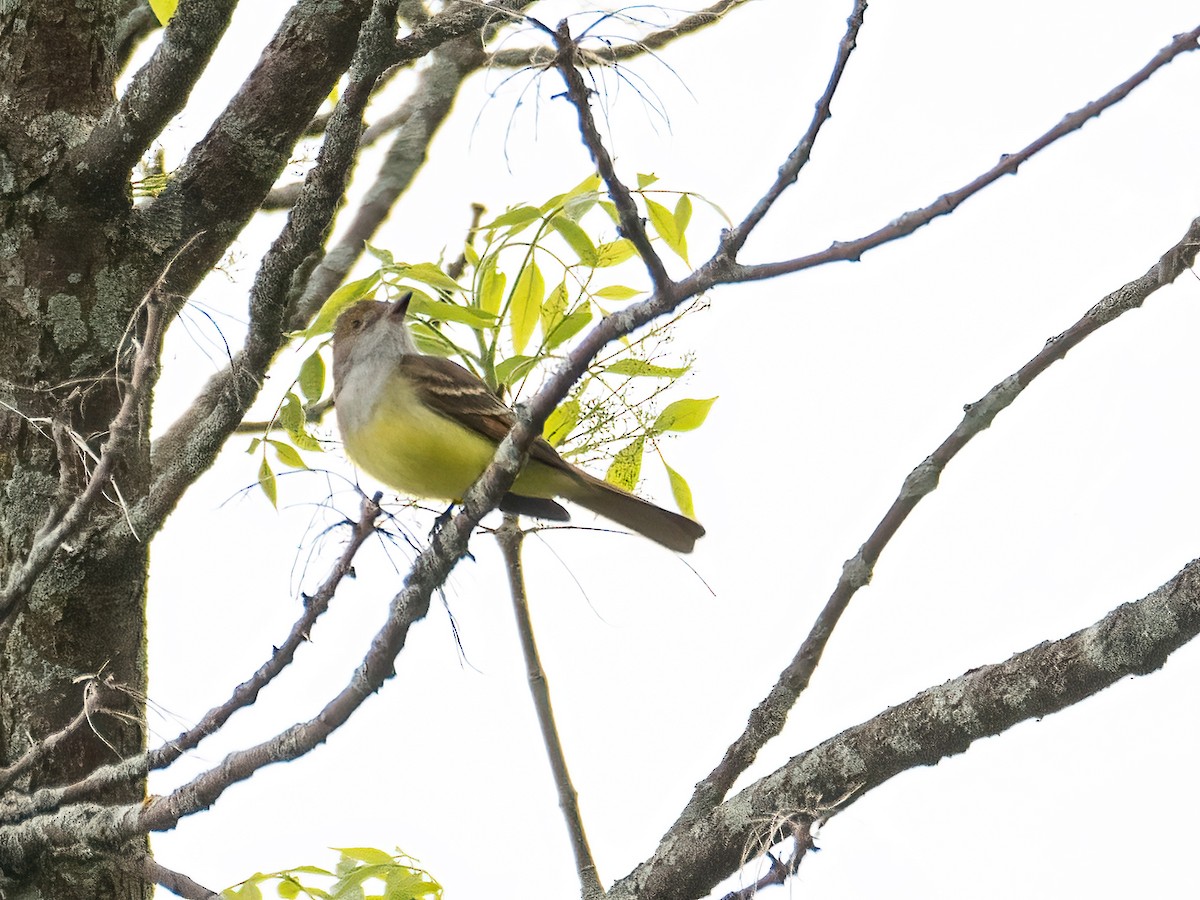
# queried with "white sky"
point(833, 385)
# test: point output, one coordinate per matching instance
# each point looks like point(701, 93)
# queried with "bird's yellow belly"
point(417, 452)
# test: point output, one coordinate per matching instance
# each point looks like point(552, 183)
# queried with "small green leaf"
point(518, 217)
point(253, 445)
point(163, 10)
point(614, 252)
point(291, 417)
point(617, 292)
point(644, 181)
point(683, 214)
point(553, 309)
point(288, 889)
point(312, 377)
point(515, 368)
point(626, 467)
point(527, 296)
point(491, 286)
point(385, 257)
point(663, 221)
point(422, 304)
point(287, 455)
point(266, 481)
point(569, 327)
point(682, 492)
point(561, 422)
point(372, 855)
point(639, 367)
point(471, 255)
point(340, 300)
point(427, 273)
point(611, 208)
point(683, 415)
point(577, 239)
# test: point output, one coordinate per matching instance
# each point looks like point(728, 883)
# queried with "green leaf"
point(426, 273)
point(422, 304)
point(517, 217)
point(569, 327)
point(288, 888)
point(683, 214)
point(312, 377)
point(340, 300)
point(682, 492)
point(471, 255)
point(527, 296)
point(515, 368)
point(266, 481)
point(561, 422)
point(626, 467)
point(384, 256)
point(287, 455)
point(253, 445)
point(371, 855)
point(163, 10)
point(611, 208)
point(644, 181)
point(491, 286)
point(291, 417)
point(617, 292)
point(553, 309)
point(663, 221)
point(577, 239)
point(614, 252)
point(683, 415)
point(639, 367)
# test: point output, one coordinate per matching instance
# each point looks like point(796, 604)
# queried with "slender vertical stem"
point(510, 538)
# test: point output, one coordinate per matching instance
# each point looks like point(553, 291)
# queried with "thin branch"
point(1134, 639)
point(244, 695)
point(631, 221)
point(510, 538)
point(734, 239)
point(58, 529)
point(768, 718)
point(423, 112)
point(726, 270)
point(523, 57)
point(177, 883)
point(157, 92)
point(46, 746)
point(192, 443)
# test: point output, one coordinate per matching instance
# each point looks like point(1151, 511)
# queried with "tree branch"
point(510, 538)
point(768, 718)
point(726, 270)
point(193, 441)
point(157, 92)
point(1134, 639)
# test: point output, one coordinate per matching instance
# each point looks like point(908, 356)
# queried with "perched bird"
point(427, 427)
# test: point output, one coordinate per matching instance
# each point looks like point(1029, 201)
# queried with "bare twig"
point(510, 538)
point(734, 239)
point(769, 716)
point(841, 251)
point(60, 528)
point(520, 57)
point(631, 222)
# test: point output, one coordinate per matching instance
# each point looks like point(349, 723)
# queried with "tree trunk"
point(68, 328)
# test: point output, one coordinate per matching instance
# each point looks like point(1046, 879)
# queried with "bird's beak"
point(400, 307)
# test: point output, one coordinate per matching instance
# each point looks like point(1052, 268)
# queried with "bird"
point(427, 427)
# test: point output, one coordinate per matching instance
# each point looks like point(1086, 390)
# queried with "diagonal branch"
point(157, 91)
point(726, 270)
point(193, 441)
point(521, 57)
point(1134, 639)
point(768, 718)
point(735, 238)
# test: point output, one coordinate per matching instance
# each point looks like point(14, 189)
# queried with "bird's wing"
point(453, 392)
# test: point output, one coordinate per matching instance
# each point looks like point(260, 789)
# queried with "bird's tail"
point(676, 532)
